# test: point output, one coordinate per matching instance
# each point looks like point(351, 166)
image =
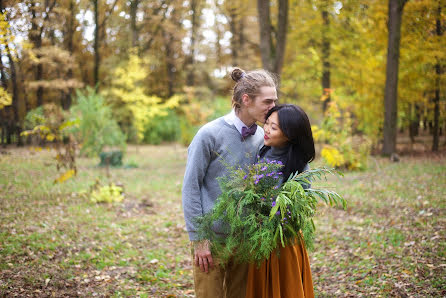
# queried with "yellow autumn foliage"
point(340, 147)
point(5, 98)
point(65, 176)
point(129, 91)
point(5, 33)
point(332, 156)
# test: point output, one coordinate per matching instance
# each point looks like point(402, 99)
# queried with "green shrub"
point(162, 129)
point(199, 111)
point(97, 128)
point(111, 158)
point(34, 117)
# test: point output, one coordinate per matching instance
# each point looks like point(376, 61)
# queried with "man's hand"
point(202, 254)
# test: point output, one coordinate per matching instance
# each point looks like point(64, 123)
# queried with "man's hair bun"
point(237, 74)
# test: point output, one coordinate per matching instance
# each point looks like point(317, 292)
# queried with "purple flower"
point(263, 199)
point(257, 181)
point(273, 204)
point(246, 176)
point(276, 187)
point(276, 177)
point(278, 212)
point(264, 168)
point(260, 176)
point(279, 162)
point(280, 173)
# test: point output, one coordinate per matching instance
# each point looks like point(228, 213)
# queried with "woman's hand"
point(203, 256)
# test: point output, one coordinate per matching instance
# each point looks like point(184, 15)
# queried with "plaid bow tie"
point(246, 132)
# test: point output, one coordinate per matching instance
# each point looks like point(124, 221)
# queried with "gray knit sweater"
point(216, 146)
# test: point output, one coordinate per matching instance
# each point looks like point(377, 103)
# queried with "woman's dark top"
point(276, 153)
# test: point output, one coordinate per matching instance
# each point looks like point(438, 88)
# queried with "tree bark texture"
point(36, 37)
point(97, 57)
point(3, 121)
point(325, 55)
point(281, 36)
point(391, 89)
point(15, 98)
point(272, 42)
point(12, 124)
point(195, 8)
point(133, 26)
point(233, 29)
point(436, 128)
point(414, 125)
point(66, 101)
point(265, 34)
point(169, 51)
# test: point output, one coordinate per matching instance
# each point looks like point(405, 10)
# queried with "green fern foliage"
point(257, 212)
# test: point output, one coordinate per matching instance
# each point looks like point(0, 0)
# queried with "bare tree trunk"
point(265, 34)
point(15, 97)
point(241, 40)
point(195, 8)
point(414, 122)
point(36, 37)
point(168, 42)
point(233, 29)
point(281, 36)
point(13, 124)
point(133, 27)
point(97, 57)
point(219, 33)
point(436, 130)
point(325, 56)
point(391, 89)
point(3, 121)
point(66, 102)
point(272, 53)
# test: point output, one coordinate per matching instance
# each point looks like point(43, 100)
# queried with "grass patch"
point(389, 242)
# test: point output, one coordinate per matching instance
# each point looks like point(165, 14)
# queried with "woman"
point(288, 138)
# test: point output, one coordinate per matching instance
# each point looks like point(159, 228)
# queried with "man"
point(230, 140)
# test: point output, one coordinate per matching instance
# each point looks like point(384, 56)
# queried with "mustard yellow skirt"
point(287, 275)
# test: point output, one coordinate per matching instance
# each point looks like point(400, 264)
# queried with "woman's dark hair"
point(295, 125)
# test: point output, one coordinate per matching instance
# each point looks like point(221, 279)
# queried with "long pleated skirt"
point(287, 275)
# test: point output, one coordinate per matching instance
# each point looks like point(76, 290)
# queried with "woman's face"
point(274, 136)
point(258, 107)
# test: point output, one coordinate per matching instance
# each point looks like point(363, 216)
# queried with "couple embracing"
point(236, 140)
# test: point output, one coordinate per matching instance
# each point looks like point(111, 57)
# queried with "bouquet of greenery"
point(258, 213)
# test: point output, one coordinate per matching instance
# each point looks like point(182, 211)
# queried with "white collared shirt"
point(232, 119)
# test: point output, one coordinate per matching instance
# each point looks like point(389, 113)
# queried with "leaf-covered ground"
point(53, 242)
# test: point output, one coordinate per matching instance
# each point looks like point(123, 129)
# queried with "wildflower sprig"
point(259, 211)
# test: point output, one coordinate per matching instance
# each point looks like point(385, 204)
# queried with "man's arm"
point(198, 160)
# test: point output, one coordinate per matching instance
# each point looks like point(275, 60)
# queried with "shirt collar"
point(232, 119)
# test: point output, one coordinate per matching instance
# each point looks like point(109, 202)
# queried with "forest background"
point(90, 80)
point(162, 66)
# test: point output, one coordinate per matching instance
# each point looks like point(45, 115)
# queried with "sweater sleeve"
point(198, 160)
